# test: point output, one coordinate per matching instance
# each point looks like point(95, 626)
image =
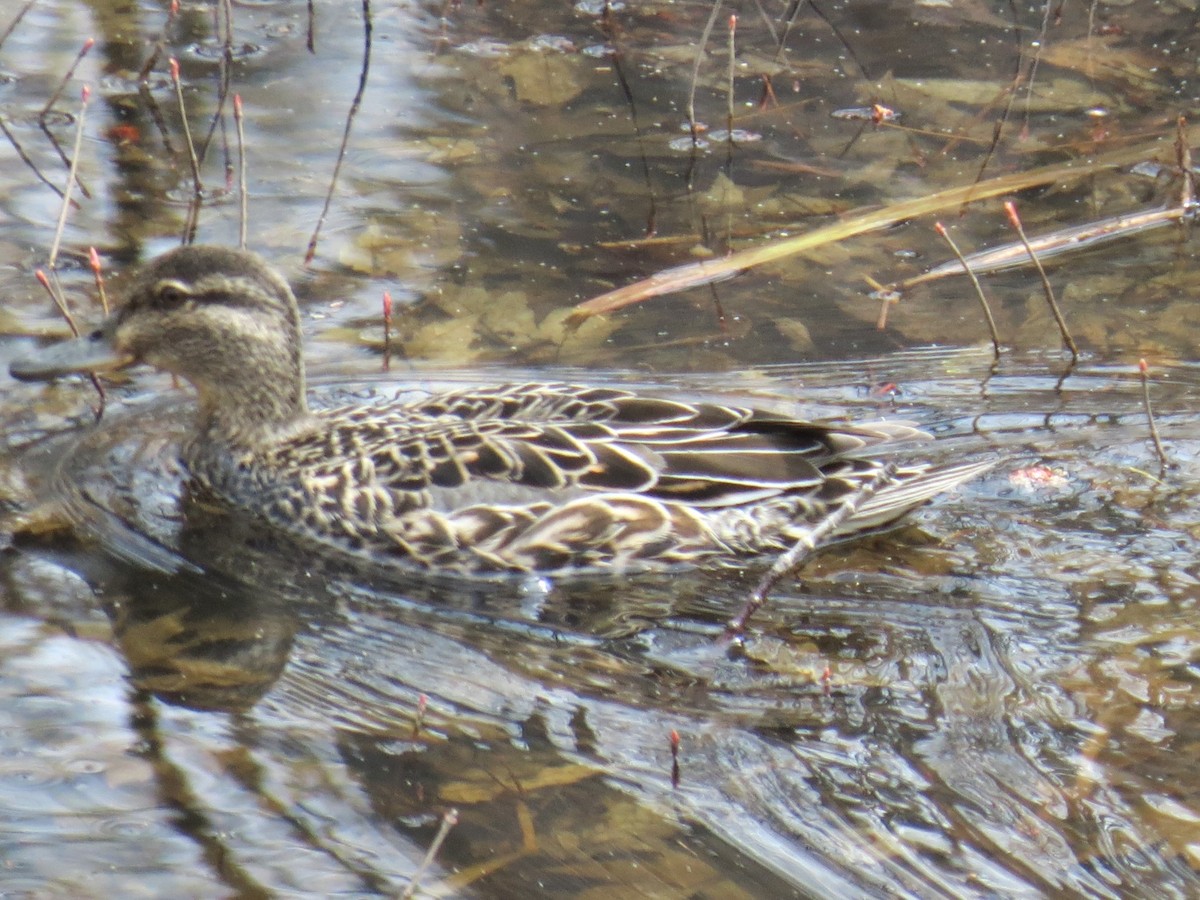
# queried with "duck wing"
point(528, 443)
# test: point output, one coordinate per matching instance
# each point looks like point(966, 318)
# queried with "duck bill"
point(93, 353)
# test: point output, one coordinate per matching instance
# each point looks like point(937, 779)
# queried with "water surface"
point(994, 700)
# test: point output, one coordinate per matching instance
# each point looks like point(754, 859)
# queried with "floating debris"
point(738, 136)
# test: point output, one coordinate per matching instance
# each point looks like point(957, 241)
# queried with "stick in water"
point(1158, 447)
point(806, 544)
point(98, 274)
point(85, 95)
point(61, 303)
point(243, 209)
point(1015, 220)
point(987, 310)
point(193, 160)
point(449, 820)
point(387, 330)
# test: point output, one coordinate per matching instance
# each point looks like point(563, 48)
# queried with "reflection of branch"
point(156, 116)
point(16, 21)
point(1183, 159)
point(12, 139)
point(217, 119)
point(176, 792)
point(43, 116)
point(62, 155)
point(613, 33)
point(62, 84)
point(337, 166)
point(1033, 66)
point(152, 59)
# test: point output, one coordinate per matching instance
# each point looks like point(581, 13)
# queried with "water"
point(995, 700)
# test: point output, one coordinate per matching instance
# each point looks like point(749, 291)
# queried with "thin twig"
point(42, 116)
point(419, 719)
point(729, 79)
point(612, 32)
point(1055, 243)
point(60, 302)
point(449, 820)
point(789, 19)
point(98, 274)
point(85, 94)
point(62, 155)
point(1158, 447)
point(704, 36)
point(243, 208)
point(806, 544)
point(51, 283)
point(1037, 59)
point(709, 271)
point(337, 166)
point(1011, 209)
point(57, 298)
point(193, 213)
point(987, 310)
point(193, 161)
point(1183, 157)
point(387, 330)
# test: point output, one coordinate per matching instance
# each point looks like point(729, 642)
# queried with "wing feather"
point(519, 442)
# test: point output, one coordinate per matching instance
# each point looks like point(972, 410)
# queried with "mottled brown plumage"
point(523, 477)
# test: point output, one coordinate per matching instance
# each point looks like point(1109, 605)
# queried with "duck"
point(525, 477)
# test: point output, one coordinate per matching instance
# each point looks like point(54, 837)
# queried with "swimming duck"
point(534, 477)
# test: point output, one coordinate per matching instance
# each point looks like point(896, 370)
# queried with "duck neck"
point(252, 409)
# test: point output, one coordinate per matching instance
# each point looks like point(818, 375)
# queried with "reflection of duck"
point(194, 645)
point(526, 477)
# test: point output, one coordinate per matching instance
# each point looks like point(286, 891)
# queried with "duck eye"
point(170, 293)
